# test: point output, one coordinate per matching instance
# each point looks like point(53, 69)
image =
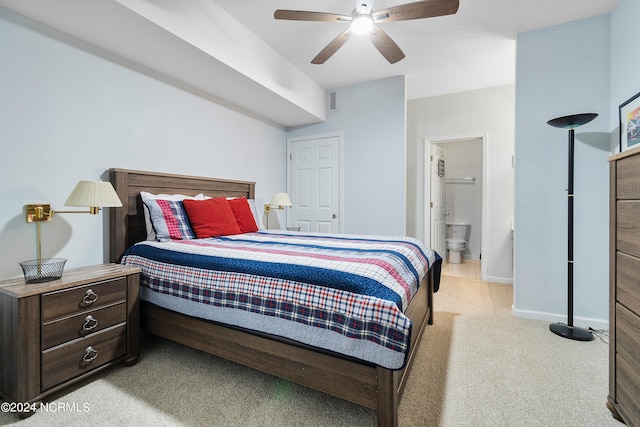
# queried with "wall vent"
point(333, 101)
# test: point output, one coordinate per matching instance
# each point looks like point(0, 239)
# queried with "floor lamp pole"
point(568, 330)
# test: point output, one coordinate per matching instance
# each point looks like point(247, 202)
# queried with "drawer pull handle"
point(90, 297)
point(90, 323)
point(90, 355)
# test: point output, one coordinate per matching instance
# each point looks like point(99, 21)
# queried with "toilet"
point(457, 238)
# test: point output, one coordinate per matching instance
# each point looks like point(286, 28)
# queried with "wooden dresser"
point(624, 305)
point(59, 332)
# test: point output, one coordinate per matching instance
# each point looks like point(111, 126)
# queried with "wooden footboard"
point(363, 383)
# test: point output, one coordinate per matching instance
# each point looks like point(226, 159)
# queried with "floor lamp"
point(568, 330)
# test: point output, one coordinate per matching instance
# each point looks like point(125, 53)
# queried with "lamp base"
point(571, 332)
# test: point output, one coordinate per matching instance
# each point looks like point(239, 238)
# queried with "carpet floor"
point(478, 365)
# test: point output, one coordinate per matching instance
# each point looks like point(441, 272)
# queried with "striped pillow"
point(169, 220)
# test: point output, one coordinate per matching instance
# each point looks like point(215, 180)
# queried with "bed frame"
point(360, 382)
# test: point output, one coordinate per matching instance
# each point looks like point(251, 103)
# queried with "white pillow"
point(151, 234)
point(254, 211)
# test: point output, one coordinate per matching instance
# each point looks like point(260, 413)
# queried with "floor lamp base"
point(571, 332)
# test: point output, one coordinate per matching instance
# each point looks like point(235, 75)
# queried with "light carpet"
point(478, 365)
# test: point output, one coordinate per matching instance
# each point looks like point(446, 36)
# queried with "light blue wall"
point(562, 70)
point(625, 60)
point(372, 119)
point(67, 113)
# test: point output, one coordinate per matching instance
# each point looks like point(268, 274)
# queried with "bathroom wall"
point(464, 200)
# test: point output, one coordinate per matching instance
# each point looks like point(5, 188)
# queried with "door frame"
point(429, 205)
point(487, 257)
point(340, 136)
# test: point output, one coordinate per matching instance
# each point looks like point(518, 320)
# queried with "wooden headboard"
point(126, 224)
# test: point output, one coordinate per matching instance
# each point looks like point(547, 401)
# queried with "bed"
point(377, 384)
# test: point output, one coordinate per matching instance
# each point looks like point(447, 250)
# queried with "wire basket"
point(42, 270)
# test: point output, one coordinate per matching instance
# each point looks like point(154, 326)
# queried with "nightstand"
point(57, 333)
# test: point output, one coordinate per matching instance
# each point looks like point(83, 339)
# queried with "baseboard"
point(505, 280)
point(584, 322)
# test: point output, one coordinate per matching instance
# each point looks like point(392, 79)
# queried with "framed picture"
point(629, 113)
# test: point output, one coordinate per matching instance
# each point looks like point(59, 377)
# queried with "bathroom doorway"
point(465, 193)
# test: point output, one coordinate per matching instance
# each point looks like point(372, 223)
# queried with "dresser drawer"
point(628, 278)
point(628, 227)
point(81, 299)
point(82, 325)
point(70, 360)
point(628, 335)
point(628, 179)
point(628, 391)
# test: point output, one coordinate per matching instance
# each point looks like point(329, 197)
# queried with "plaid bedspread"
point(344, 293)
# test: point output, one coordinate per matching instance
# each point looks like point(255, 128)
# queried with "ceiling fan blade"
point(417, 10)
point(332, 47)
point(301, 15)
point(387, 47)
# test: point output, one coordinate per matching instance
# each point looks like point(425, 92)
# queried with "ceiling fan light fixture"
point(362, 24)
point(365, 21)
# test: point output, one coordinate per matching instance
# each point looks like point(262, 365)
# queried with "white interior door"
point(315, 183)
point(437, 202)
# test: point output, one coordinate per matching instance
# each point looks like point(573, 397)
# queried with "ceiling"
point(232, 51)
point(472, 49)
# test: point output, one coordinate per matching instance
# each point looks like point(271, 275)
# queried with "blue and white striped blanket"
point(343, 293)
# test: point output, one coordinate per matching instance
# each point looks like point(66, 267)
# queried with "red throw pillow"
point(211, 217)
point(243, 214)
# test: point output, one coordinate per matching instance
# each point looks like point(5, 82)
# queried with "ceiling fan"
point(364, 21)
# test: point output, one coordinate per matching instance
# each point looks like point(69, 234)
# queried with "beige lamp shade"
point(94, 194)
point(280, 199)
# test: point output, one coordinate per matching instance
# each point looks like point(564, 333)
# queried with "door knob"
point(334, 216)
